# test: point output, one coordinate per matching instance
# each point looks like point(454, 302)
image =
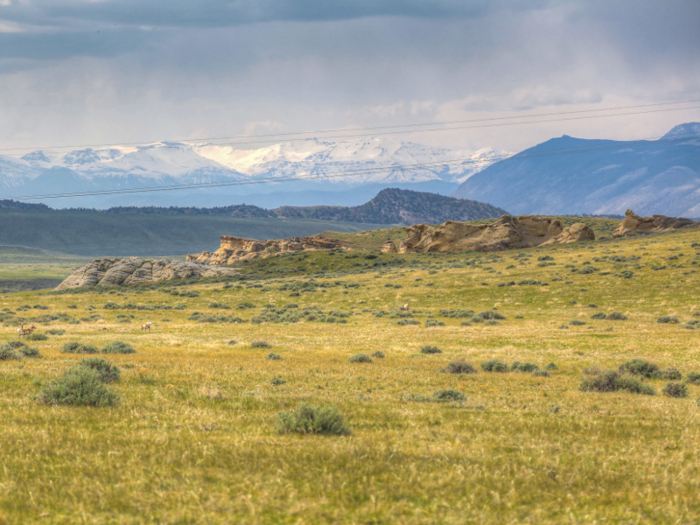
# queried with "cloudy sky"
point(76, 72)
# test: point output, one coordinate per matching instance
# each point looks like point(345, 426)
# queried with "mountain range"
point(343, 173)
point(568, 175)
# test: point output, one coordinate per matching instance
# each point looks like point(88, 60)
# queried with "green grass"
point(196, 437)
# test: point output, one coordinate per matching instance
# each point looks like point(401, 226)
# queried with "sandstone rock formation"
point(133, 270)
point(505, 234)
point(388, 247)
point(234, 249)
point(575, 233)
point(633, 224)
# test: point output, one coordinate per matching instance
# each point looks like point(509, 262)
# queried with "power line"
point(417, 125)
point(354, 173)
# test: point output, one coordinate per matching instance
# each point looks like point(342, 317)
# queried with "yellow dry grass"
point(194, 441)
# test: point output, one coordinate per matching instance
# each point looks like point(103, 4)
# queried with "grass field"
point(195, 436)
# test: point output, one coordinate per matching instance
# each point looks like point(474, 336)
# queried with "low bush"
point(540, 373)
point(459, 367)
point(490, 314)
point(274, 357)
point(640, 367)
point(492, 322)
point(80, 386)
point(77, 348)
point(277, 381)
point(693, 378)
point(524, 367)
point(617, 316)
point(37, 337)
point(360, 358)
point(378, 354)
point(635, 386)
point(407, 322)
point(9, 354)
point(448, 394)
point(232, 342)
point(551, 366)
point(430, 349)
point(118, 347)
point(433, 322)
point(106, 370)
point(245, 305)
point(56, 331)
point(309, 419)
point(260, 344)
point(494, 365)
point(610, 381)
point(599, 315)
point(675, 390)
point(576, 322)
point(667, 319)
point(30, 351)
point(672, 374)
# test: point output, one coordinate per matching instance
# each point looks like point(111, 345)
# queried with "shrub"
point(524, 367)
point(276, 381)
point(617, 316)
point(640, 367)
point(106, 370)
point(260, 344)
point(492, 322)
point(77, 348)
point(406, 322)
point(551, 366)
point(576, 322)
point(245, 305)
point(56, 331)
point(118, 347)
point(433, 322)
point(378, 354)
point(693, 378)
point(360, 358)
point(309, 419)
point(667, 319)
point(540, 373)
point(494, 365)
point(591, 370)
point(599, 315)
point(80, 386)
point(30, 351)
point(459, 367)
point(675, 390)
point(448, 394)
point(232, 342)
point(37, 337)
point(672, 374)
point(634, 386)
point(274, 357)
point(111, 306)
point(9, 354)
point(490, 314)
point(430, 349)
point(465, 323)
point(603, 382)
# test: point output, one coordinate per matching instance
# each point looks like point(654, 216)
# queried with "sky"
point(76, 73)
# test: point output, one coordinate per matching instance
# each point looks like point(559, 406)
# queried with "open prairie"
point(196, 436)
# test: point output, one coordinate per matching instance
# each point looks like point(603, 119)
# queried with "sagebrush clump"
point(309, 419)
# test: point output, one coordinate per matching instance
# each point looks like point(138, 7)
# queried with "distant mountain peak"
point(686, 130)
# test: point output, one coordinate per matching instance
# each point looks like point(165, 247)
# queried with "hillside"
point(389, 206)
point(95, 233)
point(569, 175)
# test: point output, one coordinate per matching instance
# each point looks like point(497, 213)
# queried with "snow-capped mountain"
point(319, 166)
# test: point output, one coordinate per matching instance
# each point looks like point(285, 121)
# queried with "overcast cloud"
point(79, 72)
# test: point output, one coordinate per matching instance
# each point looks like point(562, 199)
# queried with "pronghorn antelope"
point(406, 307)
point(22, 331)
point(146, 327)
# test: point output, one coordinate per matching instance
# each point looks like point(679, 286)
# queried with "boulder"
point(575, 233)
point(506, 233)
point(633, 224)
point(134, 270)
point(389, 247)
point(234, 249)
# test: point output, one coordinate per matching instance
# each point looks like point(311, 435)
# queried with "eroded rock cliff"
point(506, 233)
point(234, 249)
point(633, 224)
point(133, 270)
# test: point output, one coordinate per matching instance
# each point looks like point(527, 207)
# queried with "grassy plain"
point(194, 437)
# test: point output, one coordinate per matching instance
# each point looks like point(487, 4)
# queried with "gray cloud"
point(126, 71)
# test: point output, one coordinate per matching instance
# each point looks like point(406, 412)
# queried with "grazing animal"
point(146, 327)
point(406, 307)
point(22, 331)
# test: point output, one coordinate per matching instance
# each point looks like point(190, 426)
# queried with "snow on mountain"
point(367, 160)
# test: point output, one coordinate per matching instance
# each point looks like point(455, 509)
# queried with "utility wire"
point(343, 130)
point(354, 173)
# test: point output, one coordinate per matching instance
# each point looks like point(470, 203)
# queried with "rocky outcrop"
point(575, 233)
point(505, 234)
point(234, 249)
point(633, 224)
point(388, 247)
point(134, 270)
